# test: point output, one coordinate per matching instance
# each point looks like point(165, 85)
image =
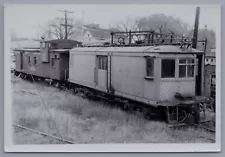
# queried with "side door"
point(21, 60)
point(102, 72)
point(54, 67)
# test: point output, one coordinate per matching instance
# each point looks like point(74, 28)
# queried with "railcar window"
point(102, 62)
point(35, 61)
point(53, 62)
point(29, 60)
point(168, 68)
point(149, 67)
point(186, 68)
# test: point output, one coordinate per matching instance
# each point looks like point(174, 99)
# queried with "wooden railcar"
point(50, 61)
point(164, 76)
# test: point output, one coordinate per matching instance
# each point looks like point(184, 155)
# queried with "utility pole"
point(66, 23)
point(82, 28)
point(195, 35)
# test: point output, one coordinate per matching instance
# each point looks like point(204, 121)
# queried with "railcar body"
point(150, 74)
point(153, 75)
point(50, 61)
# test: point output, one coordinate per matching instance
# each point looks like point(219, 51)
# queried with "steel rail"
point(44, 134)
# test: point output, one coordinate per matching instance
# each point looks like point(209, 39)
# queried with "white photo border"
point(179, 147)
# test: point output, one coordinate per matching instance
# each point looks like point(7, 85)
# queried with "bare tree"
point(55, 29)
point(128, 24)
point(163, 24)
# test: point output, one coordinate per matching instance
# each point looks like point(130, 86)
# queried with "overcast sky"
point(26, 20)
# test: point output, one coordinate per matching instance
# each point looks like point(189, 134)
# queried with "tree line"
point(156, 22)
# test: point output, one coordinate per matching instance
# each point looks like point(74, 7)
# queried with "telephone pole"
point(82, 28)
point(66, 22)
point(195, 35)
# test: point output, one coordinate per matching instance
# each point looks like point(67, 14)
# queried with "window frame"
point(29, 60)
point(102, 61)
point(152, 70)
point(174, 72)
point(53, 62)
point(186, 64)
point(35, 61)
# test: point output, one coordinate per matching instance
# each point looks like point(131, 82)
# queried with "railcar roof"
point(60, 50)
point(141, 49)
point(28, 49)
point(38, 50)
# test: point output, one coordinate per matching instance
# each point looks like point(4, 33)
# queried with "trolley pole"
point(66, 22)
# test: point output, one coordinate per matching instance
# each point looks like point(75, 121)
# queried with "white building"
point(210, 57)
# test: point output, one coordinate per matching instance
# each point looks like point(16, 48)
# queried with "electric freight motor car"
point(165, 76)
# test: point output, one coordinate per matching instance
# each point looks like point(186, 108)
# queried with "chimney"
point(44, 50)
point(195, 35)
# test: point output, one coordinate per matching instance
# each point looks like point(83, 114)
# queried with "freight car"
point(50, 61)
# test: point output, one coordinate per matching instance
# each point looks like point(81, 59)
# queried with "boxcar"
point(153, 75)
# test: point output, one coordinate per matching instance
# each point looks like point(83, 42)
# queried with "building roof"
point(100, 33)
point(28, 49)
point(38, 50)
point(96, 42)
point(210, 54)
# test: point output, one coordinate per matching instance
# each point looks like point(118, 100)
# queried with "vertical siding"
point(82, 69)
point(128, 77)
point(150, 89)
point(102, 79)
point(41, 69)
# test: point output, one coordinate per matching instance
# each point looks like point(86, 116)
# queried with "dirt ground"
point(83, 121)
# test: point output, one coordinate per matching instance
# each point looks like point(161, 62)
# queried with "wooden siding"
point(128, 76)
point(41, 69)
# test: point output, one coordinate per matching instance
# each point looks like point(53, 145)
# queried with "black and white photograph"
point(112, 77)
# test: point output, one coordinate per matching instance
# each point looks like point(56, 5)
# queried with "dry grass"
point(84, 121)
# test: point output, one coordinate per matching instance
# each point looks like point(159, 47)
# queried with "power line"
point(66, 22)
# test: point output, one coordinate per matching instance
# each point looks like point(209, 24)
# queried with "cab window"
point(168, 68)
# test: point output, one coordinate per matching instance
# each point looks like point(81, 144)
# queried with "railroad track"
point(65, 141)
point(208, 129)
point(44, 134)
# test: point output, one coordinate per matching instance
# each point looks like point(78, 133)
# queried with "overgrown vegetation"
point(84, 121)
